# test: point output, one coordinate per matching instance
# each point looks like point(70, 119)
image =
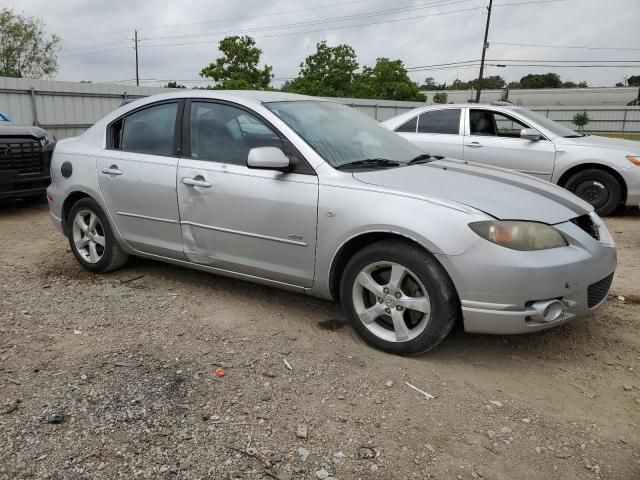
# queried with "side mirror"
point(530, 134)
point(268, 158)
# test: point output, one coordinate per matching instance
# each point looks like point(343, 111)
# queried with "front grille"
point(598, 291)
point(586, 224)
point(21, 155)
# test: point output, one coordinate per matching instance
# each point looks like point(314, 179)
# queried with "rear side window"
point(440, 121)
point(150, 131)
point(408, 127)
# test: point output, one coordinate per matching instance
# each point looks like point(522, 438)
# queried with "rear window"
point(440, 121)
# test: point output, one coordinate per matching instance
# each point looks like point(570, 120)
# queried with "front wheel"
point(398, 298)
point(91, 238)
point(597, 187)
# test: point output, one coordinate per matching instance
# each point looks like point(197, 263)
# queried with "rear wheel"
point(91, 238)
point(398, 298)
point(598, 187)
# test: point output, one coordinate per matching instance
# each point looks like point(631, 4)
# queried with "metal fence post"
point(624, 119)
point(34, 108)
point(375, 109)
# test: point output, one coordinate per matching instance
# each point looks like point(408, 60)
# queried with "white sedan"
point(603, 171)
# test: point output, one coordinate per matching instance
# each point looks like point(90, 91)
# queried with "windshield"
point(547, 123)
point(341, 134)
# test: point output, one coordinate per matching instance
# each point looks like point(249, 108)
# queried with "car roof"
point(403, 117)
point(258, 96)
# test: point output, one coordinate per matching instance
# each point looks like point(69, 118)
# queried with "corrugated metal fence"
point(68, 108)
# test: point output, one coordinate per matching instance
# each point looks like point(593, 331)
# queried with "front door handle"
point(199, 181)
point(473, 145)
point(112, 170)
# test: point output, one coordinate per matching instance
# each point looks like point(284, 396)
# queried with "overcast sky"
point(97, 35)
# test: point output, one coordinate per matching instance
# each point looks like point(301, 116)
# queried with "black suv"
point(25, 156)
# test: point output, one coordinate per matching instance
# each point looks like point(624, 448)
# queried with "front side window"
point(488, 123)
point(341, 134)
point(150, 131)
point(223, 133)
point(440, 121)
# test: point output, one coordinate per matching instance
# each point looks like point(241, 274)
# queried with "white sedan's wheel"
point(88, 236)
point(391, 301)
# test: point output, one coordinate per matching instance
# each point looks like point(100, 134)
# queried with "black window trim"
point(300, 166)
point(505, 114)
point(432, 110)
point(416, 118)
point(177, 138)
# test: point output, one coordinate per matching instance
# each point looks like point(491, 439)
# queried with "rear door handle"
point(473, 145)
point(112, 170)
point(199, 181)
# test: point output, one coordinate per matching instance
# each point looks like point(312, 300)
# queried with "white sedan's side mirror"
point(530, 134)
point(268, 158)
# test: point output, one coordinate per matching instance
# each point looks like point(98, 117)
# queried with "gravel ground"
point(114, 376)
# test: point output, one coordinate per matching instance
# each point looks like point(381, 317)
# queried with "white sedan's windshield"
point(547, 123)
point(341, 134)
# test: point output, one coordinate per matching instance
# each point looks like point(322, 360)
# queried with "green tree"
point(583, 84)
point(387, 80)
point(237, 68)
point(634, 81)
point(569, 84)
point(330, 71)
point(440, 97)
point(173, 84)
point(25, 50)
point(544, 80)
point(580, 120)
point(495, 82)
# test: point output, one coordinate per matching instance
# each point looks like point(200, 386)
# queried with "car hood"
point(594, 141)
point(501, 193)
point(9, 129)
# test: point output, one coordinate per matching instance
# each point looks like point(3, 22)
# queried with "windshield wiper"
point(577, 135)
point(370, 162)
point(423, 158)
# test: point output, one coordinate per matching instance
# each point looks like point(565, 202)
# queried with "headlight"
point(47, 139)
point(635, 159)
point(520, 235)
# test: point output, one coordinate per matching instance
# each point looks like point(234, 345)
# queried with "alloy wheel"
point(391, 301)
point(88, 236)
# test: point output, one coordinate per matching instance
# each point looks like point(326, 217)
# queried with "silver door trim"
point(146, 217)
point(534, 172)
point(245, 234)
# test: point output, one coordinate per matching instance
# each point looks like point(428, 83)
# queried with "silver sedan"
point(312, 196)
point(602, 171)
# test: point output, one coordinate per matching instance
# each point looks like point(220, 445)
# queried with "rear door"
point(260, 223)
point(493, 138)
point(137, 177)
point(437, 132)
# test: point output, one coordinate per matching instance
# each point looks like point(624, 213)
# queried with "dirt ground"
point(113, 376)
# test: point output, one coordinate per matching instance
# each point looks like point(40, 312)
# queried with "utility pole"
point(136, 48)
point(485, 45)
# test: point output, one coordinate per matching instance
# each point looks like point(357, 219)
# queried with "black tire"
point(113, 257)
point(598, 187)
point(441, 292)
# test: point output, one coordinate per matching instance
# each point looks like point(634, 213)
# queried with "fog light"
point(547, 311)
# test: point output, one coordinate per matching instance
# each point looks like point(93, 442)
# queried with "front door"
point(260, 223)
point(137, 177)
point(493, 138)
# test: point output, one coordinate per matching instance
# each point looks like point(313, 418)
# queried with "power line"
point(324, 29)
point(436, 3)
point(564, 46)
point(377, 13)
